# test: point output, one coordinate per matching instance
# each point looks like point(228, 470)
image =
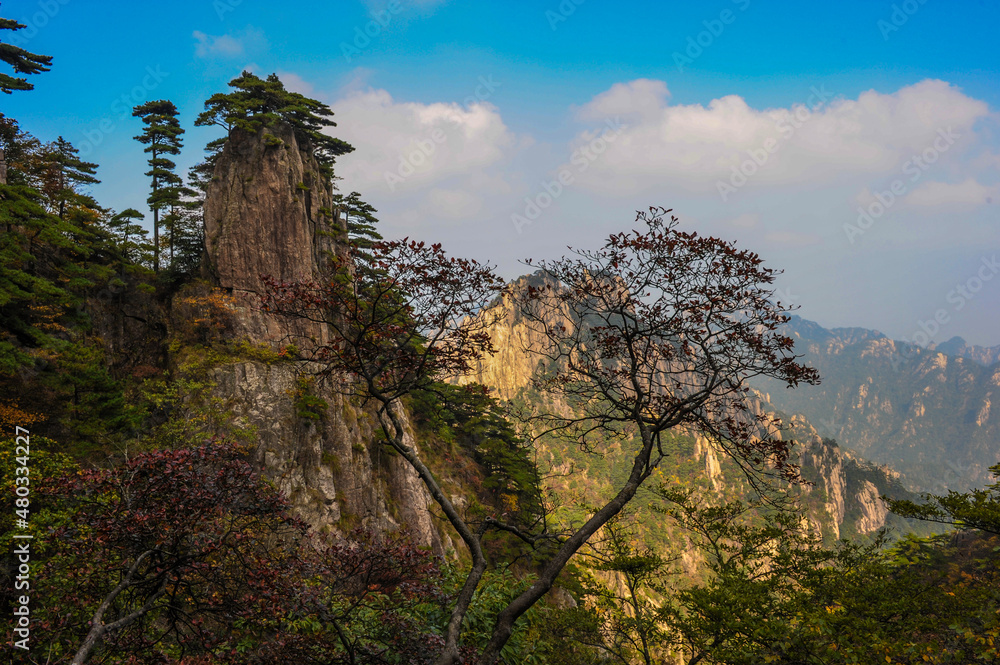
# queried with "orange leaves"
point(203, 315)
point(11, 416)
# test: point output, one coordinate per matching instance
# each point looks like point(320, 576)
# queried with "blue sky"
point(634, 103)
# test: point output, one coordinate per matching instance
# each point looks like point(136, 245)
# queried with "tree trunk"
point(156, 239)
point(392, 423)
point(504, 626)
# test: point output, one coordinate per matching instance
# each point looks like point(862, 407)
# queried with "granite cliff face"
point(844, 496)
point(927, 414)
point(268, 212)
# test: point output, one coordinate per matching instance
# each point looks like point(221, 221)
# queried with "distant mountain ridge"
point(927, 413)
point(956, 346)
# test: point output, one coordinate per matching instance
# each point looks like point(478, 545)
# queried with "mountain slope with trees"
point(229, 455)
point(929, 415)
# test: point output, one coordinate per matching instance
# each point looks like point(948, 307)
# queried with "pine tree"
point(61, 173)
point(257, 103)
point(361, 222)
point(162, 136)
point(130, 236)
point(22, 61)
point(201, 173)
point(22, 153)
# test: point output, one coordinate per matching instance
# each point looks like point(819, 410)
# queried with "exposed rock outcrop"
point(873, 509)
point(331, 468)
point(842, 500)
point(268, 211)
point(511, 367)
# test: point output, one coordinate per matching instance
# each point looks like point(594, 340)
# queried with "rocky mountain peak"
point(268, 211)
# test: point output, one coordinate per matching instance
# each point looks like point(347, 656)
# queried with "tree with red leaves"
point(160, 556)
point(190, 557)
point(658, 330)
point(413, 316)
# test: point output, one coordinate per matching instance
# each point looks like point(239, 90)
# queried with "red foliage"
point(665, 330)
point(189, 556)
point(165, 552)
point(400, 323)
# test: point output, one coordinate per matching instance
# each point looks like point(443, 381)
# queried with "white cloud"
point(967, 192)
point(792, 238)
point(453, 203)
point(442, 156)
point(229, 46)
point(746, 221)
point(693, 147)
point(296, 83)
point(639, 99)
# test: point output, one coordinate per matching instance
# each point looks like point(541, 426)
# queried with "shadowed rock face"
point(268, 211)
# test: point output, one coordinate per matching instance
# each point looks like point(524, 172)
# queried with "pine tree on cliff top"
point(162, 136)
point(361, 223)
point(257, 103)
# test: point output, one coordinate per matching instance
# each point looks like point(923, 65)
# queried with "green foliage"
point(361, 226)
point(45, 270)
point(977, 509)
point(45, 464)
point(130, 237)
point(307, 404)
point(533, 642)
point(623, 593)
point(469, 417)
point(775, 595)
point(256, 104)
point(20, 150)
point(22, 61)
point(60, 175)
point(93, 401)
point(162, 136)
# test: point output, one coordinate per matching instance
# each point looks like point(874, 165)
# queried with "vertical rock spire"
point(269, 211)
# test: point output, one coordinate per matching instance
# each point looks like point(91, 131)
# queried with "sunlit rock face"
point(844, 491)
point(268, 211)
